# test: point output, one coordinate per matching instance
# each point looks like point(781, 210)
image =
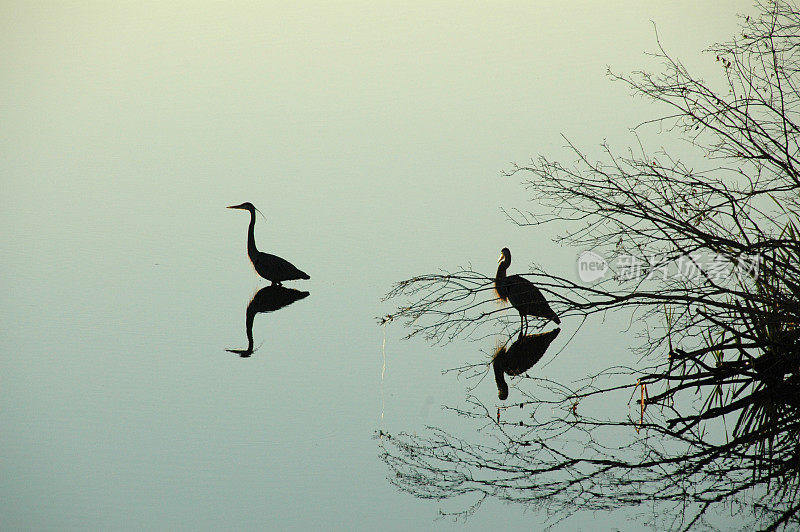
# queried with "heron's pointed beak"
point(235, 207)
point(500, 259)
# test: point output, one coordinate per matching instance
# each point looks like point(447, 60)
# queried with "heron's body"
point(270, 267)
point(521, 293)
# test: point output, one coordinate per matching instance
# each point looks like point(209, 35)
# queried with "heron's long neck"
point(501, 271)
point(500, 287)
point(498, 376)
point(251, 237)
point(498, 372)
point(249, 328)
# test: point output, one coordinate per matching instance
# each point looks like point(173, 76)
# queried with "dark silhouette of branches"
point(445, 306)
point(706, 255)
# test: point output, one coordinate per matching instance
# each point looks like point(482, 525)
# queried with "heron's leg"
point(521, 323)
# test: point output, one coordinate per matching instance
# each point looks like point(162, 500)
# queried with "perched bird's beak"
point(236, 206)
point(500, 259)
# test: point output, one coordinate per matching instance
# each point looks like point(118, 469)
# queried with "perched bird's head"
point(505, 256)
point(246, 206)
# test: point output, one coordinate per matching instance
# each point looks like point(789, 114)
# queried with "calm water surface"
point(372, 138)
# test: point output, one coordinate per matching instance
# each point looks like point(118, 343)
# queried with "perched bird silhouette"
point(520, 357)
point(268, 299)
point(270, 267)
point(521, 293)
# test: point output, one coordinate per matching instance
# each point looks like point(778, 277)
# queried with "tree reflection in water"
point(268, 299)
point(546, 451)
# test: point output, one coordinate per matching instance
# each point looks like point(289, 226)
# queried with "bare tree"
point(709, 252)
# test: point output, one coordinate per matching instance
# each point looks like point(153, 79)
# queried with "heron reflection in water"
point(268, 299)
point(521, 293)
point(270, 267)
point(519, 357)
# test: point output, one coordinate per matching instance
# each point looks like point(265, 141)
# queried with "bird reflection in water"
point(268, 299)
point(519, 357)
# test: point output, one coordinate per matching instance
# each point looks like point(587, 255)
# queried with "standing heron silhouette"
point(270, 267)
point(521, 293)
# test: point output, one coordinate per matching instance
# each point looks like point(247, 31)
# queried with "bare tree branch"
point(713, 400)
